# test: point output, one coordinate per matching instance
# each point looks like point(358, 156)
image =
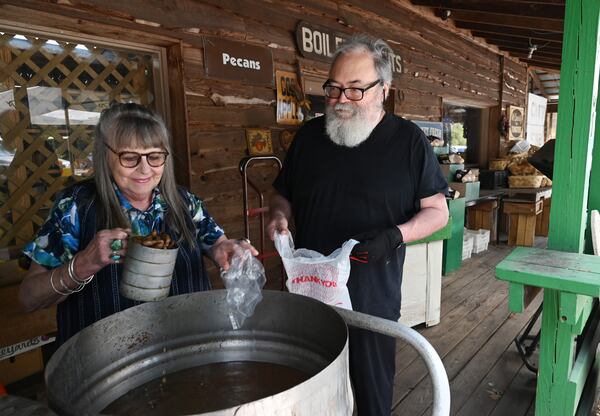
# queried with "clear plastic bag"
point(243, 281)
point(315, 275)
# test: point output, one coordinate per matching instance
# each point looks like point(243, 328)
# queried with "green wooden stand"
point(452, 257)
point(570, 282)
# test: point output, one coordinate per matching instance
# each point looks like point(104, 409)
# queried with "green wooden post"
point(452, 257)
point(594, 197)
point(558, 392)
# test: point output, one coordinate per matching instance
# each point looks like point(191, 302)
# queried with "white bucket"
point(147, 272)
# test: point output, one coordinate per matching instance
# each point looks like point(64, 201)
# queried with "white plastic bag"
point(312, 274)
point(243, 281)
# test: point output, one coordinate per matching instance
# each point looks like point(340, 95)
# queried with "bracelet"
point(73, 276)
point(79, 287)
point(54, 288)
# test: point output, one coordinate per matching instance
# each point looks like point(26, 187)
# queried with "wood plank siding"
point(440, 63)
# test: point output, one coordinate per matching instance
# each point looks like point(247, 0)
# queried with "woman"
point(78, 251)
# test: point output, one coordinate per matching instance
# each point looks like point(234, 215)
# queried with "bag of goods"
point(315, 275)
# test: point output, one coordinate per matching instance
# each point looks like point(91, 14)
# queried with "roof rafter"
point(511, 7)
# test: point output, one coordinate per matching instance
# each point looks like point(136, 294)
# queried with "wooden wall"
point(440, 64)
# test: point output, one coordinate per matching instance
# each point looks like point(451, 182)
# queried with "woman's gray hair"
point(133, 125)
point(378, 48)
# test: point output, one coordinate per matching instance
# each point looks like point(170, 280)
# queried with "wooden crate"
point(484, 215)
point(522, 219)
point(543, 221)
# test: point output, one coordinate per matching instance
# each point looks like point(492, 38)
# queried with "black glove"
point(376, 244)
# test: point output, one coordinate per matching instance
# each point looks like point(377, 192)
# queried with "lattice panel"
point(51, 94)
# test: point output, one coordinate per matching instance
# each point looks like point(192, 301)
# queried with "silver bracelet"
point(54, 288)
point(79, 287)
point(73, 276)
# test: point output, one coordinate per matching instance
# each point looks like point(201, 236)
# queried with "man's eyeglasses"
point(132, 159)
point(351, 93)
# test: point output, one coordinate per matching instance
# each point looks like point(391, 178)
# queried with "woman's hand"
point(222, 251)
point(36, 290)
point(107, 247)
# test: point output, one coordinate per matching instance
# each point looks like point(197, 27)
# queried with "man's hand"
point(280, 210)
point(278, 223)
point(376, 244)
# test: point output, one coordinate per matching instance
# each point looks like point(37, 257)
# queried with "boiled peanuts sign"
point(318, 42)
point(227, 59)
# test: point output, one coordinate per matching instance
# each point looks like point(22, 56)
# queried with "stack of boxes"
point(475, 241)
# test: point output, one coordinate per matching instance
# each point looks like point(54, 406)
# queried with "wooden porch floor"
point(475, 341)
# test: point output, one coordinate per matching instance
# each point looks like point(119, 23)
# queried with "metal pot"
point(147, 272)
point(296, 349)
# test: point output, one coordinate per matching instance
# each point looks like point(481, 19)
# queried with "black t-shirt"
point(337, 192)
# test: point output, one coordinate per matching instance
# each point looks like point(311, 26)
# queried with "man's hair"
point(133, 125)
point(378, 48)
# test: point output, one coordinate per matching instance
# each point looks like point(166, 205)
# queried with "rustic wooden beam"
point(508, 41)
point(542, 34)
point(506, 20)
point(523, 56)
point(178, 115)
point(512, 7)
point(545, 69)
point(537, 83)
point(537, 53)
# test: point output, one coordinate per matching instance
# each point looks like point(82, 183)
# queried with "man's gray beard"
point(348, 132)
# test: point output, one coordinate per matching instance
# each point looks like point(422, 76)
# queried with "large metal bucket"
point(296, 349)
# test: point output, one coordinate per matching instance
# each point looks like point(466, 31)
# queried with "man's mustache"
point(345, 107)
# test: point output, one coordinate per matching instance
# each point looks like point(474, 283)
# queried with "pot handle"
point(439, 378)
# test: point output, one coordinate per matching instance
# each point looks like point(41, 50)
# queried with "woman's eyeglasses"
point(132, 159)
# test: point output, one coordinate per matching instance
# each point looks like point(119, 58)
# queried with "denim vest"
point(100, 298)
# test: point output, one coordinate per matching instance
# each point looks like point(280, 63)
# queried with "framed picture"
point(286, 137)
point(516, 123)
point(288, 95)
point(259, 142)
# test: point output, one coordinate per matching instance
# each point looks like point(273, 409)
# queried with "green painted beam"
point(594, 189)
point(516, 297)
point(574, 310)
point(570, 272)
point(576, 122)
point(452, 257)
point(559, 382)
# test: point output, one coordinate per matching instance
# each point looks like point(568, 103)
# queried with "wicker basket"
point(530, 181)
point(522, 168)
point(498, 164)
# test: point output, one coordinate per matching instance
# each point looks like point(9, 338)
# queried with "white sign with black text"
point(536, 119)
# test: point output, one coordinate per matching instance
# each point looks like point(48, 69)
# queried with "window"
point(52, 91)
point(454, 128)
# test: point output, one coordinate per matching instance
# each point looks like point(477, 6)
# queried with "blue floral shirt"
point(63, 225)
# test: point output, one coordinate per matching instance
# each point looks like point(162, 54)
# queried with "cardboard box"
point(448, 170)
point(470, 190)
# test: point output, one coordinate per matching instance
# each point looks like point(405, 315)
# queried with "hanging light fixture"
point(532, 49)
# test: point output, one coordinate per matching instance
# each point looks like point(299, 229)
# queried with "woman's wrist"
point(76, 274)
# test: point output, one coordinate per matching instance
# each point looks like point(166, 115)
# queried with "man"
point(360, 173)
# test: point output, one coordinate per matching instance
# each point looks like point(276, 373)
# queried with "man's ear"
point(386, 91)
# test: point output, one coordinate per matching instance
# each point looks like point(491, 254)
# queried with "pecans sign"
point(318, 42)
point(226, 59)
